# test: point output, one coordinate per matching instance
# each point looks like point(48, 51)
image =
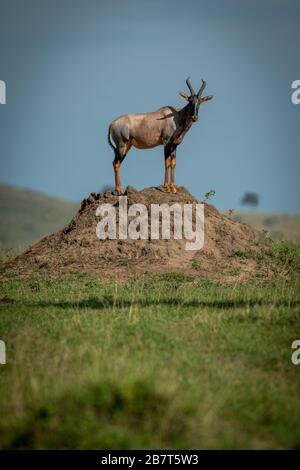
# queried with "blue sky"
point(72, 66)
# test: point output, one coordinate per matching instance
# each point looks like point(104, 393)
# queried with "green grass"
point(154, 363)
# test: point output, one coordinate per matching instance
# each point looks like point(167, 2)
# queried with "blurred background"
point(72, 66)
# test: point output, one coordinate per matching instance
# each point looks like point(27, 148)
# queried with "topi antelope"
point(167, 126)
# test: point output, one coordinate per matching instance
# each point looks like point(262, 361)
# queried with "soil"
point(77, 248)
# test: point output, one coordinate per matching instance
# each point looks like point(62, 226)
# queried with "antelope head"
point(194, 99)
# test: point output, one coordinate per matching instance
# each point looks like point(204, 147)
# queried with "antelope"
point(167, 126)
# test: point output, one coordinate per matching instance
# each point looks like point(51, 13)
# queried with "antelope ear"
point(207, 98)
point(184, 96)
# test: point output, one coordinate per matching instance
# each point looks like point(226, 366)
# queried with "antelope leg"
point(167, 168)
point(117, 165)
point(173, 164)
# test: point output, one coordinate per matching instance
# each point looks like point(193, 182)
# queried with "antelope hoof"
point(118, 192)
point(173, 188)
point(167, 188)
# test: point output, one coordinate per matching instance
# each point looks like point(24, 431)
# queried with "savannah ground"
point(167, 361)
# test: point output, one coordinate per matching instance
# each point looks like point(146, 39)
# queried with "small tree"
point(250, 199)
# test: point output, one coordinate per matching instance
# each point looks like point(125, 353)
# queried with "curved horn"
point(190, 86)
point(202, 88)
point(184, 96)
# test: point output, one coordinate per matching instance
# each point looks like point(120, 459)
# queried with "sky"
point(72, 66)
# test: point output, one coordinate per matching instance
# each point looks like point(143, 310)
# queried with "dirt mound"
point(77, 248)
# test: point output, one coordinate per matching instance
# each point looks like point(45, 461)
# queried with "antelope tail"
point(109, 140)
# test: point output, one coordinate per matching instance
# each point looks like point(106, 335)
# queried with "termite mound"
point(77, 247)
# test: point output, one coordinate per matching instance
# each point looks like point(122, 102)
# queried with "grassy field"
point(172, 362)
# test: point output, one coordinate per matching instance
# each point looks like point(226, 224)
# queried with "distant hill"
point(27, 216)
point(279, 226)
